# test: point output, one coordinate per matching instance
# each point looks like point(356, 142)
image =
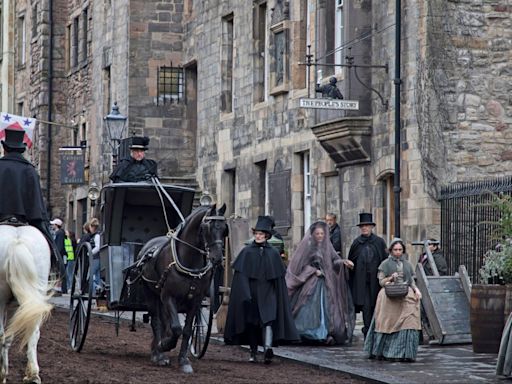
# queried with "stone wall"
point(254, 134)
point(455, 104)
point(159, 26)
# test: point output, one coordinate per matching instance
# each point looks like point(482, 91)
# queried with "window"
point(83, 132)
point(260, 58)
point(260, 189)
point(19, 109)
point(85, 27)
point(74, 44)
point(388, 203)
point(339, 34)
point(306, 171)
point(226, 102)
point(107, 90)
point(68, 48)
point(22, 41)
point(34, 20)
point(331, 38)
point(278, 66)
point(170, 85)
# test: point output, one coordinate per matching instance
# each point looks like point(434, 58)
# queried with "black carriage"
point(131, 215)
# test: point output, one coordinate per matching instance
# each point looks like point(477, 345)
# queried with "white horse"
point(24, 269)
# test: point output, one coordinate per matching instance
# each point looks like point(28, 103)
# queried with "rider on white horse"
point(21, 198)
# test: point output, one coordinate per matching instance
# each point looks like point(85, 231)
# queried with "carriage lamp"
point(205, 199)
point(93, 193)
point(115, 123)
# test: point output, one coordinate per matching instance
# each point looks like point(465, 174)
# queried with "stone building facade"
point(261, 153)
point(82, 56)
point(217, 86)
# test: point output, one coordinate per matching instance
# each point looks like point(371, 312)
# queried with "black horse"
point(178, 276)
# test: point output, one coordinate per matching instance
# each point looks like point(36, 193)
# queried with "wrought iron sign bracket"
point(349, 64)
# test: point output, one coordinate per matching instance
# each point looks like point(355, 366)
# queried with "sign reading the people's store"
point(329, 104)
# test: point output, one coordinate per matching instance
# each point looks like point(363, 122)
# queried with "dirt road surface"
point(107, 358)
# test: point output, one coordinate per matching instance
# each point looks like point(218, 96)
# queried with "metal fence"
point(467, 217)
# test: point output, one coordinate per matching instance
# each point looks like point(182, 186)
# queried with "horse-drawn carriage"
point(157, 256)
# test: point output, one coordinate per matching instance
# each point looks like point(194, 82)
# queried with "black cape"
point(21, 193)
point(366, 253)
point(259, 296)
point(21, 196)
point(131, 170)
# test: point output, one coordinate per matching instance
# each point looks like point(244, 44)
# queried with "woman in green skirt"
point(394, 331)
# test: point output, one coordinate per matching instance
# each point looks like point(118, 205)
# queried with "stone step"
point(188, 181)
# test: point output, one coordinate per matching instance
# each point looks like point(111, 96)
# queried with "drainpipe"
point(49, 116)
point(398, 146)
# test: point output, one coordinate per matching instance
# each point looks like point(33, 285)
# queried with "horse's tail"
point(28, 290)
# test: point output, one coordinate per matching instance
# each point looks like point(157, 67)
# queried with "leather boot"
point(268, 353)
point(254, 352)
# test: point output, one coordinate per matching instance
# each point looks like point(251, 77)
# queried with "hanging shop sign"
point(329, 104)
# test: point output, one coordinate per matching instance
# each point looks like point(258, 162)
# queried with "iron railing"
point(468, 218)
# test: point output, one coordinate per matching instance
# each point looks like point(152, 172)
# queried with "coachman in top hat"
point(366, 252)
point(136, 167)
point(21, 198)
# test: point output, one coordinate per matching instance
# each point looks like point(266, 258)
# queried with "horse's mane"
point(199, 211)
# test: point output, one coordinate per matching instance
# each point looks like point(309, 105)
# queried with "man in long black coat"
point(259, 309)
point(136, 167)
point(334, 232)
point(21, 196)
point(366, 252)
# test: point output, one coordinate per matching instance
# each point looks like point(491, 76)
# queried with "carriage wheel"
point(81, 297)
point(202, 326)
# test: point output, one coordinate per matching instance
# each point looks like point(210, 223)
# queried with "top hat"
point(264, 224)
point(365, 218)
point(14, 139)
point(140, 142)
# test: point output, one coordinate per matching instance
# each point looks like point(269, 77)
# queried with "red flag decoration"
point(10, 121)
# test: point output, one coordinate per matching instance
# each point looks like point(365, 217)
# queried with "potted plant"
point(491, 301)
point(497, 267)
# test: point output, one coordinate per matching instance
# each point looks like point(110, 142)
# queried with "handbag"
point(396, 290)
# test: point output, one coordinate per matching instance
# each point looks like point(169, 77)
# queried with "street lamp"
point(93, 194)
point(115, 127)
point(206, 199)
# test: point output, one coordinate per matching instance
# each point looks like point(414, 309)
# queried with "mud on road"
point(107, 358)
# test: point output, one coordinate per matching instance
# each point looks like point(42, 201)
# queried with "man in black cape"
point(21, 198)
point(136, 167)
point(259, 309)
point(366, 252)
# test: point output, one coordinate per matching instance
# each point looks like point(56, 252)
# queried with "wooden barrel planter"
point(489, 308)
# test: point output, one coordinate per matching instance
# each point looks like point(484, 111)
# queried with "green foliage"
point(503, 203)
point(497, 266)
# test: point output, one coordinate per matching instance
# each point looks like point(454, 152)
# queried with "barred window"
point(170, 85)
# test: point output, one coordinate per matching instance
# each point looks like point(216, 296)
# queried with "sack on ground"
point(396, 290)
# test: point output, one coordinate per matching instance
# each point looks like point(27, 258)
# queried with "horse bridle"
point(207, 221)
point(195, 273)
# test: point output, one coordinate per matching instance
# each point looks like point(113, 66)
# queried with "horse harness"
point(172, 237)
point(13, 221)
